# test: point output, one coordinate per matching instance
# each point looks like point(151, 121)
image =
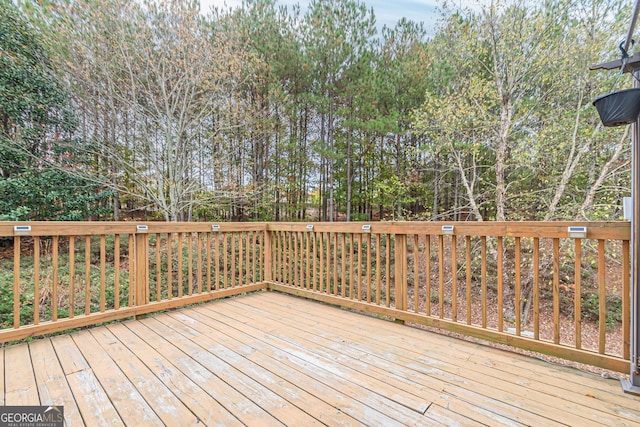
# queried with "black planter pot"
point(619, 108)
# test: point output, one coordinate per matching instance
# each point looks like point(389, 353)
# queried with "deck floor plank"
point(127, 400)
point(371, 391)
point(20, 384)
point(243, 382)
point(235, 402)
point(270, 359)
point(52, 384)
point(286, 389)
point(203, 405)
point(92, 401)
point(166, 405)
point(532, 368)
point(541, 387)
point(398, 371)
point(332, 396)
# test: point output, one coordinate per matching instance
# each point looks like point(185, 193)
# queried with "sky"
point(387, 12)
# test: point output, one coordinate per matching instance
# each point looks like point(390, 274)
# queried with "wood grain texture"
point(261, 359)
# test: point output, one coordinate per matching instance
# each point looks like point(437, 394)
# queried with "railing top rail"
point(552, 229)
point(618, 230)
point(83, 228)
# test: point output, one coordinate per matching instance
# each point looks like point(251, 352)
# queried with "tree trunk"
point(506, 115)
point(588, 201)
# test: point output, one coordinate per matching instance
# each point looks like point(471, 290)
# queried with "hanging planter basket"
point(619, 108)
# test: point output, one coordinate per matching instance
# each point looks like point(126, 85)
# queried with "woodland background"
point(112, 109)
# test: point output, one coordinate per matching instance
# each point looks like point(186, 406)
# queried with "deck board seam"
point(496, 414)
point(279, 349)
point(576, 412)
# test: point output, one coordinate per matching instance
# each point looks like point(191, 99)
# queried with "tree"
point(36, 132)
point(151, 80)
point(337, 34)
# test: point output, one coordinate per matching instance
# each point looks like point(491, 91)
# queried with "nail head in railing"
point(366, 228)
point(21, 230)
point(447, 229)
point(577, 232)
point(310, 227)
point(142, 228)
point(215, 227)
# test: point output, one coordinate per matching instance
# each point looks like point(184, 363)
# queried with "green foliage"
point(51, 194)
point(591, 309)
point(487, 115)
point(36, 127)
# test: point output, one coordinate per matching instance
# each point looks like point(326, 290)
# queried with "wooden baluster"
point(158, 268)
point(328, 263)
point(343, 278)
point(602, 297)
point(359, 268)
point(180, 262)
point(483, 279)
point(199, 262)
point(240, 258)
point(54, 282)
point(335, 264)
point(225, 261)
point(536, 288)
point(626, 300)
point(518, 260)
point(556, 291)
point(388, 270)
point(36, 280)
point(378, 268)
point(454, 278)
point(441, 276)
point(16, 282)
point(190, 263)
point(577, 296)
point(87, 273)
point(116, 272)
point(427, 284)
point(352, 255)
point(103, 273)
point(500, 282)
point(321, 259)
point(247, 258)
point(72, 304)
point(368, 279)
point(469, 283)
point(416, 271)
point(209, 262)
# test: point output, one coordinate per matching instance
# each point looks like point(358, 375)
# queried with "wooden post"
point(141, 266)
point(400, 282)
point(266, 254)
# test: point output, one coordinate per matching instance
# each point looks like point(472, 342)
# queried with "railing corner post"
point(400, 282)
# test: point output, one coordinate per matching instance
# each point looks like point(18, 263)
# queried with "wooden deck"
point(271, 359)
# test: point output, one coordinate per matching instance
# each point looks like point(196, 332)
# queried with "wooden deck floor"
point(271, 359)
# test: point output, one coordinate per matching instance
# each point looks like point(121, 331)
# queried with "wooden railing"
point(520, 284)
point(67, 275)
